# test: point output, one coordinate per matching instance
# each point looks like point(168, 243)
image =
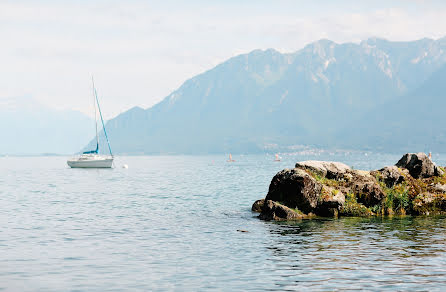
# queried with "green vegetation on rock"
point(353, 208)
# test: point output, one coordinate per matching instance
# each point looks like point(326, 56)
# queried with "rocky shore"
point(413, 186)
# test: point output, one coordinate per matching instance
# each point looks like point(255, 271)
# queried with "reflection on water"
point(398, 253)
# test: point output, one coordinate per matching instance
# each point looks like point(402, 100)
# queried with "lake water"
point(170, 223)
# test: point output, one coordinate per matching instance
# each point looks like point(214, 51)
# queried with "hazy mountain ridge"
point(27, 127)
point(315, 96)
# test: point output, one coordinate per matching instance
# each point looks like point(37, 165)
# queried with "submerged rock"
point(295, 188)
point(419, 165)
point(257, 206)
point(274, 211)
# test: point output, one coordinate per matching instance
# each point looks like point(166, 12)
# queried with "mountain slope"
point(254, 100)
point(414, 122)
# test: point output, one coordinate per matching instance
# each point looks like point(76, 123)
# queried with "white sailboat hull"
point(90, 162)
point(91, 159)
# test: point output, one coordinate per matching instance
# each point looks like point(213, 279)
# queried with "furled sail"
point(93, 151)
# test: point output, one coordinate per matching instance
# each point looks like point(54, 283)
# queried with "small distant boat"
point(276, 157)
point(230, 158)
point(92, 159)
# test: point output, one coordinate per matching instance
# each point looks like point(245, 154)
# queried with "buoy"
point(125, 166)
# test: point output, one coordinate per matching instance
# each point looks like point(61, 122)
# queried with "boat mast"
point(95, 118)
point(102, 120)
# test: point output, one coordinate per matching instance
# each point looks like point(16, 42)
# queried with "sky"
point(141, 51)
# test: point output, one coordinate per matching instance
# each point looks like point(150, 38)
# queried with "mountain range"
point(30, 128)
point(373, 95)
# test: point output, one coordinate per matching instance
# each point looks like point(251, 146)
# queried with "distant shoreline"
point(306, 152)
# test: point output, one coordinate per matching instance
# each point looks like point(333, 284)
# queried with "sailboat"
point(277, 157)
point(230, 158)
point(92, 158)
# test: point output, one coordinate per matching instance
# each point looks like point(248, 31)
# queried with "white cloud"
point(141, 51)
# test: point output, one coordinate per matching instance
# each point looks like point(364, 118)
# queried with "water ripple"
point(170, 223)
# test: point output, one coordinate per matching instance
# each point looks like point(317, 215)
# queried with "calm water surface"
point(170, 223)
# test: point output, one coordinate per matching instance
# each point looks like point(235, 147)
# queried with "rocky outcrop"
point(275, 211)
point(295, 188)
point(419, 165)
point(414, 186)
point(299, 187)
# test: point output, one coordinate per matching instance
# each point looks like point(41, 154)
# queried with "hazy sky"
point(140, 51)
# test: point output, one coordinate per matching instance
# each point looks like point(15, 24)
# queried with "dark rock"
point(369, 194)
point(366, 188)
point(391, 176)
point(330, 170)
point(419, 165)
point(275, 211)
point(295, 188)
point(257, 206)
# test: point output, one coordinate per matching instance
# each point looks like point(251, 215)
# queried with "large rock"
point(295, 188)
point(275, 211)
point(419, 165)
point(330, 170)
